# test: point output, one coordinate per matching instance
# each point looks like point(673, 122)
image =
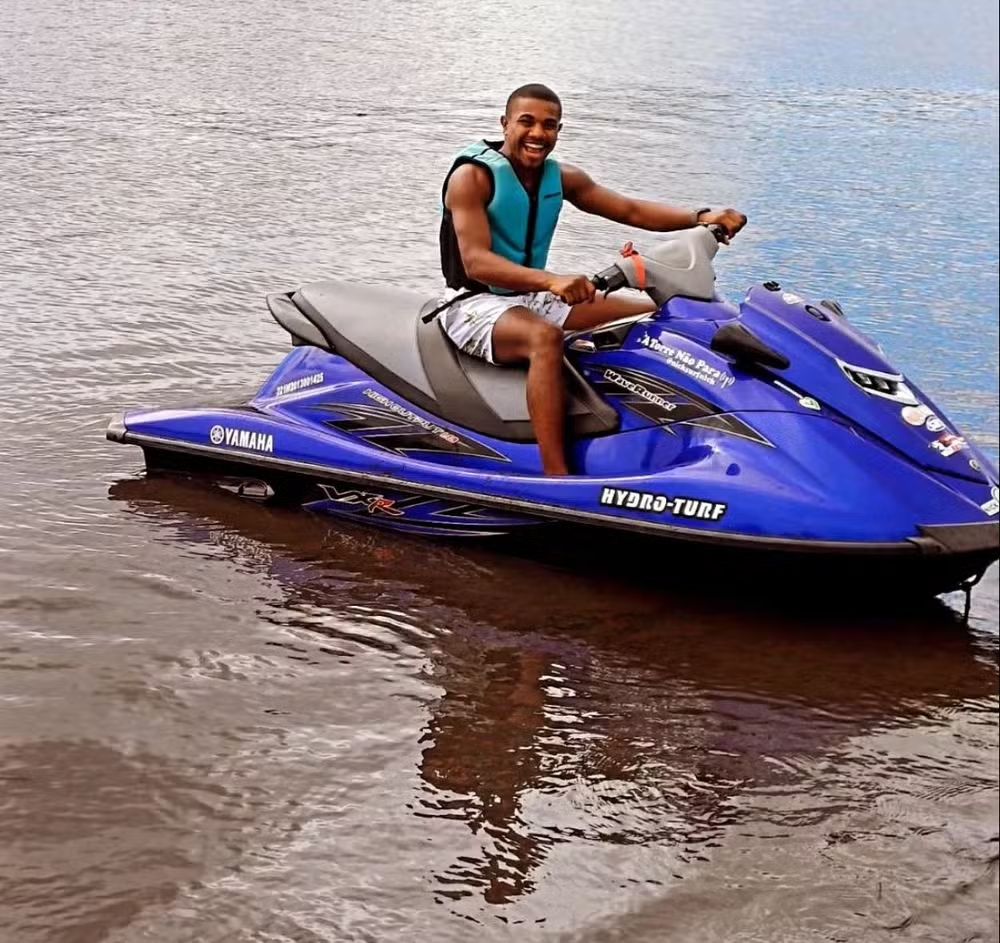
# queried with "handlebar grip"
point(611, 279)
point(716, 230)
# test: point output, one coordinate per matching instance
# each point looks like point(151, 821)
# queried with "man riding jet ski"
point(771, 430)
point(501, 206)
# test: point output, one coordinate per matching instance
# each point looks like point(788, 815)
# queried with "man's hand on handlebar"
point(573, 289)
point(729, 221)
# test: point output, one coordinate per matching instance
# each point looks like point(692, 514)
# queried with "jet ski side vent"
point(876, 383)
point(744, 347)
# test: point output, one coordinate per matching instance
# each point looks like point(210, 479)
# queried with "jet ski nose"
point(116, 429)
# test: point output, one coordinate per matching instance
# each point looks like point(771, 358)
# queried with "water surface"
point(224, 722)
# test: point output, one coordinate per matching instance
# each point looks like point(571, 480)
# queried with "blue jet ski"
point(772, 429)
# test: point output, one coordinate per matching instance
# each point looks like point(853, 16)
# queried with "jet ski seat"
point(380, 329)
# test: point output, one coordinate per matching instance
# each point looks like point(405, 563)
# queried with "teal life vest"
point(521, 224)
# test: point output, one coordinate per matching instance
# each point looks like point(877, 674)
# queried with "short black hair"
point(534, 90)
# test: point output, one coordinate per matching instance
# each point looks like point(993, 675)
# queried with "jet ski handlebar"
point(611, 279)
point(682, 264)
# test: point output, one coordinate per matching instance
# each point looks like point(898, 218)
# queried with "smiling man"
point(501, 205)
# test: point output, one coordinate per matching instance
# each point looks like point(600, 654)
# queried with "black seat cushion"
point(380, 329)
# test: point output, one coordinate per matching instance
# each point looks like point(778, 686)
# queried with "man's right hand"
point(573, 289)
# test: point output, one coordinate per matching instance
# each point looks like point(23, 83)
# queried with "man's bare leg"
point(519, 335)
point(603, 309)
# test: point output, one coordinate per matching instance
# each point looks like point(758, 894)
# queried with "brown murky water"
point(222, 722)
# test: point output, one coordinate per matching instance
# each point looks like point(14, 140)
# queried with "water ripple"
point(231, 722)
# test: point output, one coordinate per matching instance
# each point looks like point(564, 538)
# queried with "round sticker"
point(934, 424)
point(915, 415)
point(217, 434)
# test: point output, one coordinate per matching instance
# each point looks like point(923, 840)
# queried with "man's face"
point(530, 130)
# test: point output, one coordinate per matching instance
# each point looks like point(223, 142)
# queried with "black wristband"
point(697, 213)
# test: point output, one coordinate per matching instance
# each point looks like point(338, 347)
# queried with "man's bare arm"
point(466, 198)
point(581, 190)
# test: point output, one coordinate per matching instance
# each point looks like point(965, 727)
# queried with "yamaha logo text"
point(242, 439)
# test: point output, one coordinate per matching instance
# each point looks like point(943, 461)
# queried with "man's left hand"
point(730, 221)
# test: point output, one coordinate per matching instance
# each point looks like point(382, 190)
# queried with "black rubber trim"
point(962, 538)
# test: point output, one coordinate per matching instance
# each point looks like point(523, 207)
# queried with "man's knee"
point(545, 339)
point(522, 335)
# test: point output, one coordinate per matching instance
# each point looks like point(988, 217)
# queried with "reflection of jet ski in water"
point(578, 709)
point(772, 430)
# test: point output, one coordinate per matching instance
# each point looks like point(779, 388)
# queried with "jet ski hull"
point(772, 431)
point(934, 560)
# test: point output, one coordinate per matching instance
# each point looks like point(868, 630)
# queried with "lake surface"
point(222, 722)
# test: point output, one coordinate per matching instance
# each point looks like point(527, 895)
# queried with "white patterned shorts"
point(469, 323)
